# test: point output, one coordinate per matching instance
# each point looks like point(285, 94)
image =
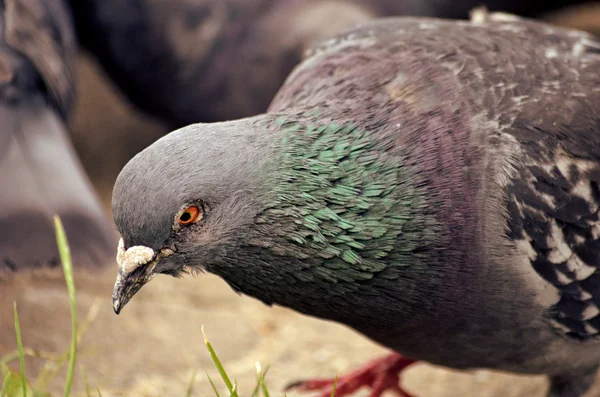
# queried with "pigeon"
point(431, 183)
point(40, 173)
point(215, 60)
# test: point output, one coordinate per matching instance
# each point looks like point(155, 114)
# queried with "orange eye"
point(190, 215)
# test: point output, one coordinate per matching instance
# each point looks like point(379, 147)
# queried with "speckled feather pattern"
point(507, 110)
point(430, 183)
point(488, 124)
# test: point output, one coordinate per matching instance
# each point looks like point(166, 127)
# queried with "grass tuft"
point(65, 258)
point(13, 387)
point(334, 386)
point(213, 385)
point(20, 347)
point(190, 388)
point(257, 388)
point(5, 385)
point(219, 366)
point(261, 380)
point(86, 382)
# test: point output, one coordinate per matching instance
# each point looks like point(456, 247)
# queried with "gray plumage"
point(430, 183)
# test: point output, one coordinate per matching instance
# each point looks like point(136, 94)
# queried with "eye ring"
point(190, 215)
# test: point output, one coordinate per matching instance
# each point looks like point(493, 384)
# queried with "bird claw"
point(380, 375)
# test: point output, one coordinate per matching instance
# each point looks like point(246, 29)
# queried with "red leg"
point(380, 375)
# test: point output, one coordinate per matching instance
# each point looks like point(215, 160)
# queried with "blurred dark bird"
point(190, 61)
point(209, 61)
point(432, 184)
point(40, 173)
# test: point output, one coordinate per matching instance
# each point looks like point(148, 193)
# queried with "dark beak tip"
point(117, 306)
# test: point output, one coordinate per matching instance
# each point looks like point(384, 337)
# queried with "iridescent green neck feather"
point(344, 212)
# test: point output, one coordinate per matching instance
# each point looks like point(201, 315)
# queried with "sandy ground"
point(155, 345)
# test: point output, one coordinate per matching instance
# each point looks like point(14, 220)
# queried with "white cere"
point(132, 258)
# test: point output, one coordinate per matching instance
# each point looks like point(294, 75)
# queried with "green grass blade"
point(191, 385)
point(334, 386)
point(99, 394)
point(213, 385)
point(5, 385)
point(219, 366)
point(86, 382)
point(65, 258)
point(20, 347)
point(261, 380)
point(257, 387)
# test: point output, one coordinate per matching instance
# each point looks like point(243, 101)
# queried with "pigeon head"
point(285, 209)
point(181, 201)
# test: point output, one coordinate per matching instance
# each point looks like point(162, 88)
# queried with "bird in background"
point(215, 60)
point(432, 184)
point(210, 61)
point(40, 173)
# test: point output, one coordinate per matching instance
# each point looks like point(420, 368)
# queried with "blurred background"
point(144, 68)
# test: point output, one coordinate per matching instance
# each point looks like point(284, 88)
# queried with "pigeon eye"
point(190, 215)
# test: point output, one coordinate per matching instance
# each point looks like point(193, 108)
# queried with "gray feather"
point(430, 183)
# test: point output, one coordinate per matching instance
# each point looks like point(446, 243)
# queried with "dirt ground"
point(155, 345)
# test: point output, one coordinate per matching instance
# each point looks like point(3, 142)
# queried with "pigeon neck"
point(343, 218)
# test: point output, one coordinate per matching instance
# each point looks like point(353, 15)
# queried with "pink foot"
point(380, 375)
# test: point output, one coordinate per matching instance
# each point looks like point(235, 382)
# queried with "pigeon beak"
point(136, 266)
point(127, 285)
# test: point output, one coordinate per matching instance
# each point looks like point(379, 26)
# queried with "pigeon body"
point(432, 184)
point(40, 174)
point(215, 60)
